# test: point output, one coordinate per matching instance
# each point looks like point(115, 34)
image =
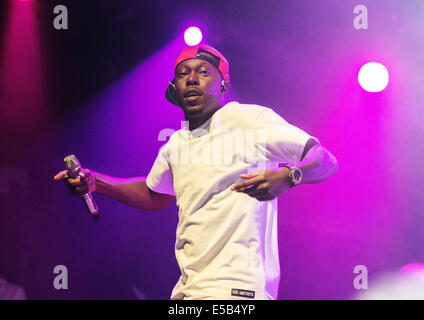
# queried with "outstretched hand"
point(267, 184)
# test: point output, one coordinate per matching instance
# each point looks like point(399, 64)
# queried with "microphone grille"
point(72, 165)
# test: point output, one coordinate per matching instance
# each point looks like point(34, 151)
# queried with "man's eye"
point(182, 74)
point(204, 72)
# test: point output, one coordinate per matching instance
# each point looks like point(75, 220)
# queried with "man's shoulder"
point(244, 110)
point(170, 139)
point(245, 107)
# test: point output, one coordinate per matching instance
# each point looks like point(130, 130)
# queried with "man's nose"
point(192, 80)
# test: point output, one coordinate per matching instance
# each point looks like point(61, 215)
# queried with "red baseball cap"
point(196, 52)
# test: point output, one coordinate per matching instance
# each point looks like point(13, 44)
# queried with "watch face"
point(297, 174)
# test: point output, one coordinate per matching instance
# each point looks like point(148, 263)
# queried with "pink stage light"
point(414, 269)
point(192, 36)
point(373, 77)
point(22, 77)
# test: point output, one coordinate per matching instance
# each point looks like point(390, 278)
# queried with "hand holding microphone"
point(80, 182)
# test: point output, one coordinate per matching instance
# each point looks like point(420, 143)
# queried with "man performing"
point(226, 242)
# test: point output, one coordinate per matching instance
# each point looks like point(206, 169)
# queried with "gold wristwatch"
point(295, 175)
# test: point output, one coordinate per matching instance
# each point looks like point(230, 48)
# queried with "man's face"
point(197, 87)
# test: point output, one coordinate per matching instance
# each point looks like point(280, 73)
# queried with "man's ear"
point(225, 84)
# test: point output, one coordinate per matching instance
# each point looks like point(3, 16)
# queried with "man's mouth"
point(192, 93)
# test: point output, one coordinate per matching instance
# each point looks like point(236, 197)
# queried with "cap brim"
point(170, 94)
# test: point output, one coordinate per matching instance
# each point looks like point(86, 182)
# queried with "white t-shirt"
point(226, 242)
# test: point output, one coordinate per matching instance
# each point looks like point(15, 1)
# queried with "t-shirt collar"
point(199, 131)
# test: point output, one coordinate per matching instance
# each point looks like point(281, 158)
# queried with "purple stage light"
point(373, 77)
point(414, 269)
point(192, 36)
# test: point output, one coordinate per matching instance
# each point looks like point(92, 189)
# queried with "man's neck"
point(194, 123)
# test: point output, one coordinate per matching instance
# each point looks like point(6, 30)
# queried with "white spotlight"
point(373, 77)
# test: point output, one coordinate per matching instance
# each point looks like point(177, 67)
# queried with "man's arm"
point(130, 191)
point(317, 165)
point(133, 192)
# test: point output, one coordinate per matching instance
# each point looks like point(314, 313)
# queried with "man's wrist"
point(294, 175)
point(102, 183)
point(285, 175)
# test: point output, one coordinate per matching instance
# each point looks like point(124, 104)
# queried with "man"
point(226, 246)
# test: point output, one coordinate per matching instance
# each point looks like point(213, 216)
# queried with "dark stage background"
point(97, 90)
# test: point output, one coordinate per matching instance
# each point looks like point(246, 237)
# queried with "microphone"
point(74, 168)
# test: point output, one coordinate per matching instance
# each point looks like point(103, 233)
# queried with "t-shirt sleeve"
point(280, 141)
point(160, 177)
